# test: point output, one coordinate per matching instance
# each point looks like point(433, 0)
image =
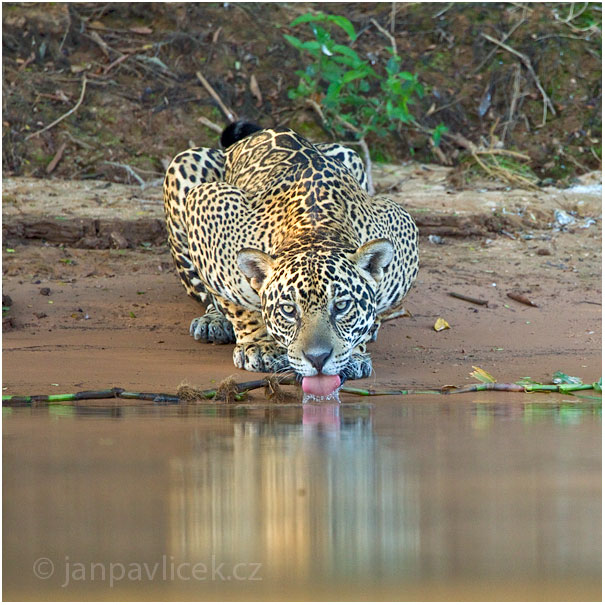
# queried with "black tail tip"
point(236, 131)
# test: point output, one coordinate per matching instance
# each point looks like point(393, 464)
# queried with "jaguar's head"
point(320, 304)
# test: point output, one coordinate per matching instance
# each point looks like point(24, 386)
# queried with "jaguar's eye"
point(288, 310)
point(342, 306)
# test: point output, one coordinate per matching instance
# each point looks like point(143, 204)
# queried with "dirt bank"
point(119, 317)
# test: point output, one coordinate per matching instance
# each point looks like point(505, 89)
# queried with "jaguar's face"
point(317, 304)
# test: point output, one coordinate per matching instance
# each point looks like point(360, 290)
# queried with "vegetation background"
point(478, 78)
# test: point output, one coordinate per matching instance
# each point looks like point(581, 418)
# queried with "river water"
point(495, 496)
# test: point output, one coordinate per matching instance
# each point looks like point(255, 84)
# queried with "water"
point(334, 397)
point(417, 499)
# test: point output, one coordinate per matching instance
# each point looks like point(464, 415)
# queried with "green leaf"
point(345, 50)
point(306, 18)
point(353, 74)
point(406, 75)
point(482, 375)
point(312, 46)
point(322, 36)
point(294, 41)
point(338, 20)
point(438, 132)
point(562, 378)
point(345, 61)
point(343, 23)
point(392, 65)
point(598, 386)
point(333, 90)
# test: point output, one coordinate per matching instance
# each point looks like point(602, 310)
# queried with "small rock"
point(7, 301)
point(543, 252)
point(45, 291)
point(563, 218)
point(41, 315)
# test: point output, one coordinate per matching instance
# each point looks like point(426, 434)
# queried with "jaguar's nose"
point(318, 359)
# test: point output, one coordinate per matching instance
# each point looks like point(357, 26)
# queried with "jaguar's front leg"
point(255, 350)
point(213, 326)
point(359, 365)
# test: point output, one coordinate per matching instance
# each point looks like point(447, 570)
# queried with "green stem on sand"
point(230, 391)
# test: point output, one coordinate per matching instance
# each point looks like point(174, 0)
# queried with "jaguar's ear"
point(374, 256)
point(256, 266)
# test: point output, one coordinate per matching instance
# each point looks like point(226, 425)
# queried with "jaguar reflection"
point(310, 495)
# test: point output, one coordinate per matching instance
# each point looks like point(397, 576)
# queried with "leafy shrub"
point(351, 93)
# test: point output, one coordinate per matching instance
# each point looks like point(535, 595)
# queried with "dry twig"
point(385, 33)
point(209, 124)
point(525, 59)
point(475, 301)
point(129, 170)
point(115, 63)
point(494, 50)
point(65, 115)
point(56, 159)
point(494, 170)
point(229, 114)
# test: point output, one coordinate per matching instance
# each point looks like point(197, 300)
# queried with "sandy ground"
point(119, 316)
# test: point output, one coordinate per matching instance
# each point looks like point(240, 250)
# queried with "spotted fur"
point(296, 263)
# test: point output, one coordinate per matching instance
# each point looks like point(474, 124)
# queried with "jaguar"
point(295, 262)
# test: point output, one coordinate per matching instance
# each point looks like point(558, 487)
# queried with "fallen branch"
point(522, 388)
point(230, 391)
point(65, 115)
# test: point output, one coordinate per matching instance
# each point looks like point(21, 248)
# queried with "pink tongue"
point(320, 385)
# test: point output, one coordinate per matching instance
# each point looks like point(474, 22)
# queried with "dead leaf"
point(449, 387)
point(141, 30)
point(216, 34)
point(521, 298)
point(482, 375)
point(255, 90)
point(441, 324)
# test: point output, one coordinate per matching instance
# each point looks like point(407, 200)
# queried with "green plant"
point(349, 93)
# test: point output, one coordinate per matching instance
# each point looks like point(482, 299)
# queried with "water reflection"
point(357, 494)
point(332, 496)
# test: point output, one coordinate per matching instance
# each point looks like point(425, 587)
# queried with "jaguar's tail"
point(237, 131)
